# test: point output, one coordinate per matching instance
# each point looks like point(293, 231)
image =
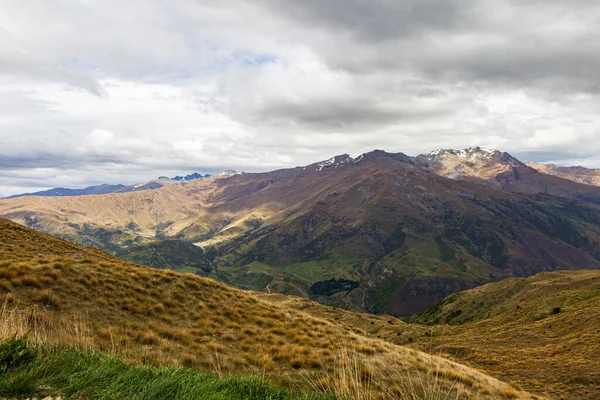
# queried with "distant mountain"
point(105, 188)
point(473, 163)
point(228, 172)
point(100, 189)
point(191, 177)
point(383, 232)
point(500, 170)
point(588, 176)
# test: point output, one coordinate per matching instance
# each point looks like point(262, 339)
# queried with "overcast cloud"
point(95, 91)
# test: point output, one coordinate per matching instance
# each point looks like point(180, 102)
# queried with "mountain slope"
point(105, 188)
point(385, 221)
point(161, 317)
point(177, 255)
point(542, 332)
point(381, 232)
point(100, 189)
point(500, 170)
point(583, 175)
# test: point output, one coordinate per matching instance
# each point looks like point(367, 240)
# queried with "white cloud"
point(105, 90)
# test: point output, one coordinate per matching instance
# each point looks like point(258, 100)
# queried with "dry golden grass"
point(512, 330)
point(542, 332)
point(513, 335)
point(160, 317)
point(39, 325)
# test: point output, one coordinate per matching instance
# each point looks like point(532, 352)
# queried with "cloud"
point(94, 91)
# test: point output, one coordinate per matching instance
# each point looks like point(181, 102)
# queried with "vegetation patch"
point(41, 371)
point(331, 286)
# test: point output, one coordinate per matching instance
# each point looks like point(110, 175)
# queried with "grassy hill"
point(542, 332)
point(65, 294)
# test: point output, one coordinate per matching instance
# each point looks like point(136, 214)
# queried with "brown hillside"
point(161, 317)
point(542, 332)
point(588, 176)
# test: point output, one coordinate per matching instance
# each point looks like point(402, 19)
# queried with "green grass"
point(39, 371)
point(258, 266)
point(186, 270)
point(334, 266)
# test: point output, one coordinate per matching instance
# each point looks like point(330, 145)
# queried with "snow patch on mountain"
point(334, 162)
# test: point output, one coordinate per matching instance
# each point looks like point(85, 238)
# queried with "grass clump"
point(13, 353)
point(37, 371)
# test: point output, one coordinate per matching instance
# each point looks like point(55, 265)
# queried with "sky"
point(95, 91)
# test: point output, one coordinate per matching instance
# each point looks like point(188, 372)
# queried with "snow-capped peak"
point(334, 162)
point(474, 155)
point(468, 153)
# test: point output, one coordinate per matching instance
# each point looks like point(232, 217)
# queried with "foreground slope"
point(381, 232)
point(542, 332)
point(161, 317)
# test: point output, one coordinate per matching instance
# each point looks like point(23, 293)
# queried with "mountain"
point(474, 164)
point(63, 294)
point(500, 170)
point(382, 232)
point(190, 177)
point(93, 190)
point(100, 189)
point(576, 174)
point(105, 188)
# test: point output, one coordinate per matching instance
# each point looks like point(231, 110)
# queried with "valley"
point(382, 232)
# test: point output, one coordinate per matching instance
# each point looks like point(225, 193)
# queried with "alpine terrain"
point(382, 232)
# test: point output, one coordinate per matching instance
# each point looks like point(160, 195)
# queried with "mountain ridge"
point(386, 221)
point(117, 188)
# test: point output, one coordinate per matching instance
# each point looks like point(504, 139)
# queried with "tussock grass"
point(510, 329)
point(539, 332)
point(40, 326)
point(161, 318)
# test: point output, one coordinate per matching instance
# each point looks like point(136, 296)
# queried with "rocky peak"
point(472, 155)
point(380, 156)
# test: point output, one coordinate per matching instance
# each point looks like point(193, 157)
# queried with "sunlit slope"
point(161, 317)
point(542, 331)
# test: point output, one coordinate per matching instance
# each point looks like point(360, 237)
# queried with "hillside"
point(588, 176)
point(381, 232)
point(160, 317)
point(178, 255)
point(542, 332)
point(119, 188)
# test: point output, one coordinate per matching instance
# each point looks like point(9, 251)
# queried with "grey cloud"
point(309, 79)
point(376, 20)
point(552, 44)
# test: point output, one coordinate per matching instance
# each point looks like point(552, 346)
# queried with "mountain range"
point(382, 232)
point(119, 188)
